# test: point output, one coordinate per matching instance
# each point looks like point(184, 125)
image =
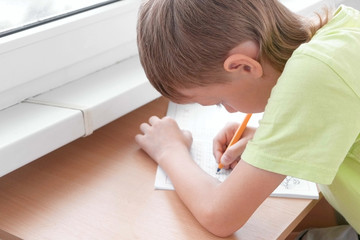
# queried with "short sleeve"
point(309, 124)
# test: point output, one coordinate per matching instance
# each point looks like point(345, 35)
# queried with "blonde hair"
point(183, 43)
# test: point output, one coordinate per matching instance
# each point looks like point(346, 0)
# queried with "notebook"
point(204, 122)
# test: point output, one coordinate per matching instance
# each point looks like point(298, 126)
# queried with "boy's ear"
point(243, 64)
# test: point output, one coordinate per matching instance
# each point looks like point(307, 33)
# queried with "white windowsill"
point(104, 95)
point(45, 129)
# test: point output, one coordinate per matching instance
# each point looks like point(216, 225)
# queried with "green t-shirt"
point(311, 124)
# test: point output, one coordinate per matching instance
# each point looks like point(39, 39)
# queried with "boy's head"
point(184, 43)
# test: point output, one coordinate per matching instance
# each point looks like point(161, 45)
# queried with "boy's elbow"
point(221, 232)
point(219, 223)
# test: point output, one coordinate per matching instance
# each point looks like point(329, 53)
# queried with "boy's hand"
point(232, 156)
point(162, 138)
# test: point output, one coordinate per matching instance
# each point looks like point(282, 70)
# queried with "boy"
point(254, 56)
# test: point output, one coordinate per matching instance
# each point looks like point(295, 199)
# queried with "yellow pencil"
point(237, 136)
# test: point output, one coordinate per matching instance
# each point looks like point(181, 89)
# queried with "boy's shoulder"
point(337, 45)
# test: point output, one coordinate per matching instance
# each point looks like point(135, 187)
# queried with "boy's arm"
point(222, 208)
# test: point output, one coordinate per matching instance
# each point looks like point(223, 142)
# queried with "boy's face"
point(244, 95)
point(247, 83)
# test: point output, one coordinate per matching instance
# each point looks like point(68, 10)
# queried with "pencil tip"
point(218, 170)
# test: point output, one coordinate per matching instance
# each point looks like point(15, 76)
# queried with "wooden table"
point(102, 187)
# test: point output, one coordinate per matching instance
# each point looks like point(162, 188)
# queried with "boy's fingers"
point(144, 127)
point(233, 165)
point(187, 134)
point(153, 119)
point(139, 139)
point(218, 152)
point(232, 153)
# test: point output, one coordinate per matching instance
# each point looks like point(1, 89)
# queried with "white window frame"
point(50, 55)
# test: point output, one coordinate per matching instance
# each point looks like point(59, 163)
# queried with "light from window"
point(18, 15)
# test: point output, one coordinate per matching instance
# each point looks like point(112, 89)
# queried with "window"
point(50, 55)
point(19, 15)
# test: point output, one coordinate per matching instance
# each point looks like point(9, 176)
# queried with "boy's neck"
point(269, 72)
